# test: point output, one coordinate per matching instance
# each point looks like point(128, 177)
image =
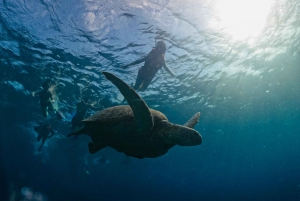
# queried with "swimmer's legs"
point(43, 142)
point(50, 107)
point(44, 110)
point(139, 80)
point(39, 137)
point(144, 85)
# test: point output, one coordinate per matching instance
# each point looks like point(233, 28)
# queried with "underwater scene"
point(143, 100)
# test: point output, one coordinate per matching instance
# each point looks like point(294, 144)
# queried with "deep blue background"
point(248, 96)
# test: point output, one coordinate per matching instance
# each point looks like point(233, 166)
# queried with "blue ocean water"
point(247, 90)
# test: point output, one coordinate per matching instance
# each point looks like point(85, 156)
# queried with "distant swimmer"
point(44, 131)
point(81, 109)
point(46, 98)
point(153, 62)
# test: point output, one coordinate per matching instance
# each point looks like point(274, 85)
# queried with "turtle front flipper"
point(193, 121)
point(142, 115)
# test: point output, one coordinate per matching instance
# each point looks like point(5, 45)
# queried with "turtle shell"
point(119, 114)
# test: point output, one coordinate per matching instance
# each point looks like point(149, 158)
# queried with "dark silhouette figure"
point(153, 62)
point(46, 99)
point(44, 131)
point(81, 109)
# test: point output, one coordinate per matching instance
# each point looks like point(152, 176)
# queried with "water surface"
point(236, 62)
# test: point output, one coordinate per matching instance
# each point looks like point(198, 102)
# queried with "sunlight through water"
point(243, 19)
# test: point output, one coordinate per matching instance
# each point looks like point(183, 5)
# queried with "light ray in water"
point(243, 18)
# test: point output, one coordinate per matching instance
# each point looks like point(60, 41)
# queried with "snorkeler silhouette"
point(46, 99)
point(153, 62)
point(45, 131)
point(81, 109)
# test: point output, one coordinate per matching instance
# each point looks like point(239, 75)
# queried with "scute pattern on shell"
point(119, 114)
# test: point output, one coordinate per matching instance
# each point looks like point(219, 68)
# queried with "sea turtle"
point(135, 129)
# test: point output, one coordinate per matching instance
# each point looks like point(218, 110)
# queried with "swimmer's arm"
point(36, 93)
point(168, 70)
point(135, 62)
point(52, 133)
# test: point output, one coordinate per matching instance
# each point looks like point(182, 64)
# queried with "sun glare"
point(243, 18)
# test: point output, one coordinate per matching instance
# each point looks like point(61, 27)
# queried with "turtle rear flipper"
point(93, 148)
point(77, 132)
point(193, 121)
point(142, 114)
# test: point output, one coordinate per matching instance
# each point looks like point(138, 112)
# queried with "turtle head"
point(180, 135)
point(188, 137)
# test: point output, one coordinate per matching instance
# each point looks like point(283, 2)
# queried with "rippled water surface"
point(236, 62)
